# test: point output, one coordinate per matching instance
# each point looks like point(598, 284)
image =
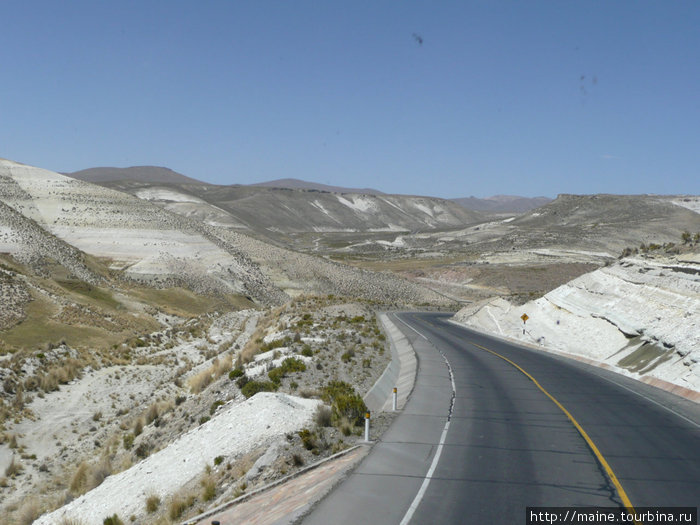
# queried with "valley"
point(147, 316)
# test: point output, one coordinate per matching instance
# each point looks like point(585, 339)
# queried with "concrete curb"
point(244, 497)
point(400, 373)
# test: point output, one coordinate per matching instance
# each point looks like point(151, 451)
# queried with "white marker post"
point(367, 426)
point(393, 401)
point(524, 317)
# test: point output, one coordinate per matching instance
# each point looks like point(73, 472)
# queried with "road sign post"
point(524, 317)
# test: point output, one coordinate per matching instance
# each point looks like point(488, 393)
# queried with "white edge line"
point(409, 326)
point(424, 486)
point(652, 401)
point(416, 501)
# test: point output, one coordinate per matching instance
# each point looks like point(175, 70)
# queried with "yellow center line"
point(606, 466)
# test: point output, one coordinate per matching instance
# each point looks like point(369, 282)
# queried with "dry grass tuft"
point(178, 505)
point(86, 477)
point(13, 468)
point(152, 503)
point(206, 377)
point(208, 488)
point(29, 511)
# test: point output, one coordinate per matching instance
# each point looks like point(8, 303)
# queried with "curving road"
point(479, 440)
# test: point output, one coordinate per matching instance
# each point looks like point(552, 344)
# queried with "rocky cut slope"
point(640, 316)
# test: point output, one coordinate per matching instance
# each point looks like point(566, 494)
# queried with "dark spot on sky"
point(418, 38)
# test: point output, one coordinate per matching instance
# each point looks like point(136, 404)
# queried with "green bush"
point(112, 520)
point(278, 343)
point(345, 402)
point(214, 406)
point(253, 387)
point(291, 364)
point(307, 438)
point(306, 351)
point(236, 373)
point(242, 381)
point(128, 441)
point(347, 356)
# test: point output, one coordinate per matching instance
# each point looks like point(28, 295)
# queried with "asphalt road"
point(508, 445)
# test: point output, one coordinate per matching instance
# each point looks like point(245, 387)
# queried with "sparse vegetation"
point(112, 520)
point(152, 503)
point(253, 387)
point(345, 402)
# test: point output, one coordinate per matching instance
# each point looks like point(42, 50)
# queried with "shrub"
point(242, 381)
point(307, 438)
point(348, 355)
point(142, 450)
point(345, 402)
point(306, 351)
point(214, 406)
point(352, 407)
point(218, 460)
point(180, 399)
point(253, 387)
point(128, 441)
point(112, 520)
point(236, 373)
point(291, 364)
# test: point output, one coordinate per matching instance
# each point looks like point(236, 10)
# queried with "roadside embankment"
point(638, 317)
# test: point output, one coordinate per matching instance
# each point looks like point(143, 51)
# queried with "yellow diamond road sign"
point(524, 317)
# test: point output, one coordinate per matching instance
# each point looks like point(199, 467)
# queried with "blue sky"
point(528, 98)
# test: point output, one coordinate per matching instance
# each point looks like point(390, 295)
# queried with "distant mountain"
point(503, 203)
point(296, 184)
point(137, 173)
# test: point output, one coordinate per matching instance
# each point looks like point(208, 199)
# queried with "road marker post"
point(524, 317)
point(393, 401)
point(367, 426)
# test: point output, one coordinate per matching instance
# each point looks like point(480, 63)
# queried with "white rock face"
point(145, 241)
point(235, 430)
point(640, 316)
